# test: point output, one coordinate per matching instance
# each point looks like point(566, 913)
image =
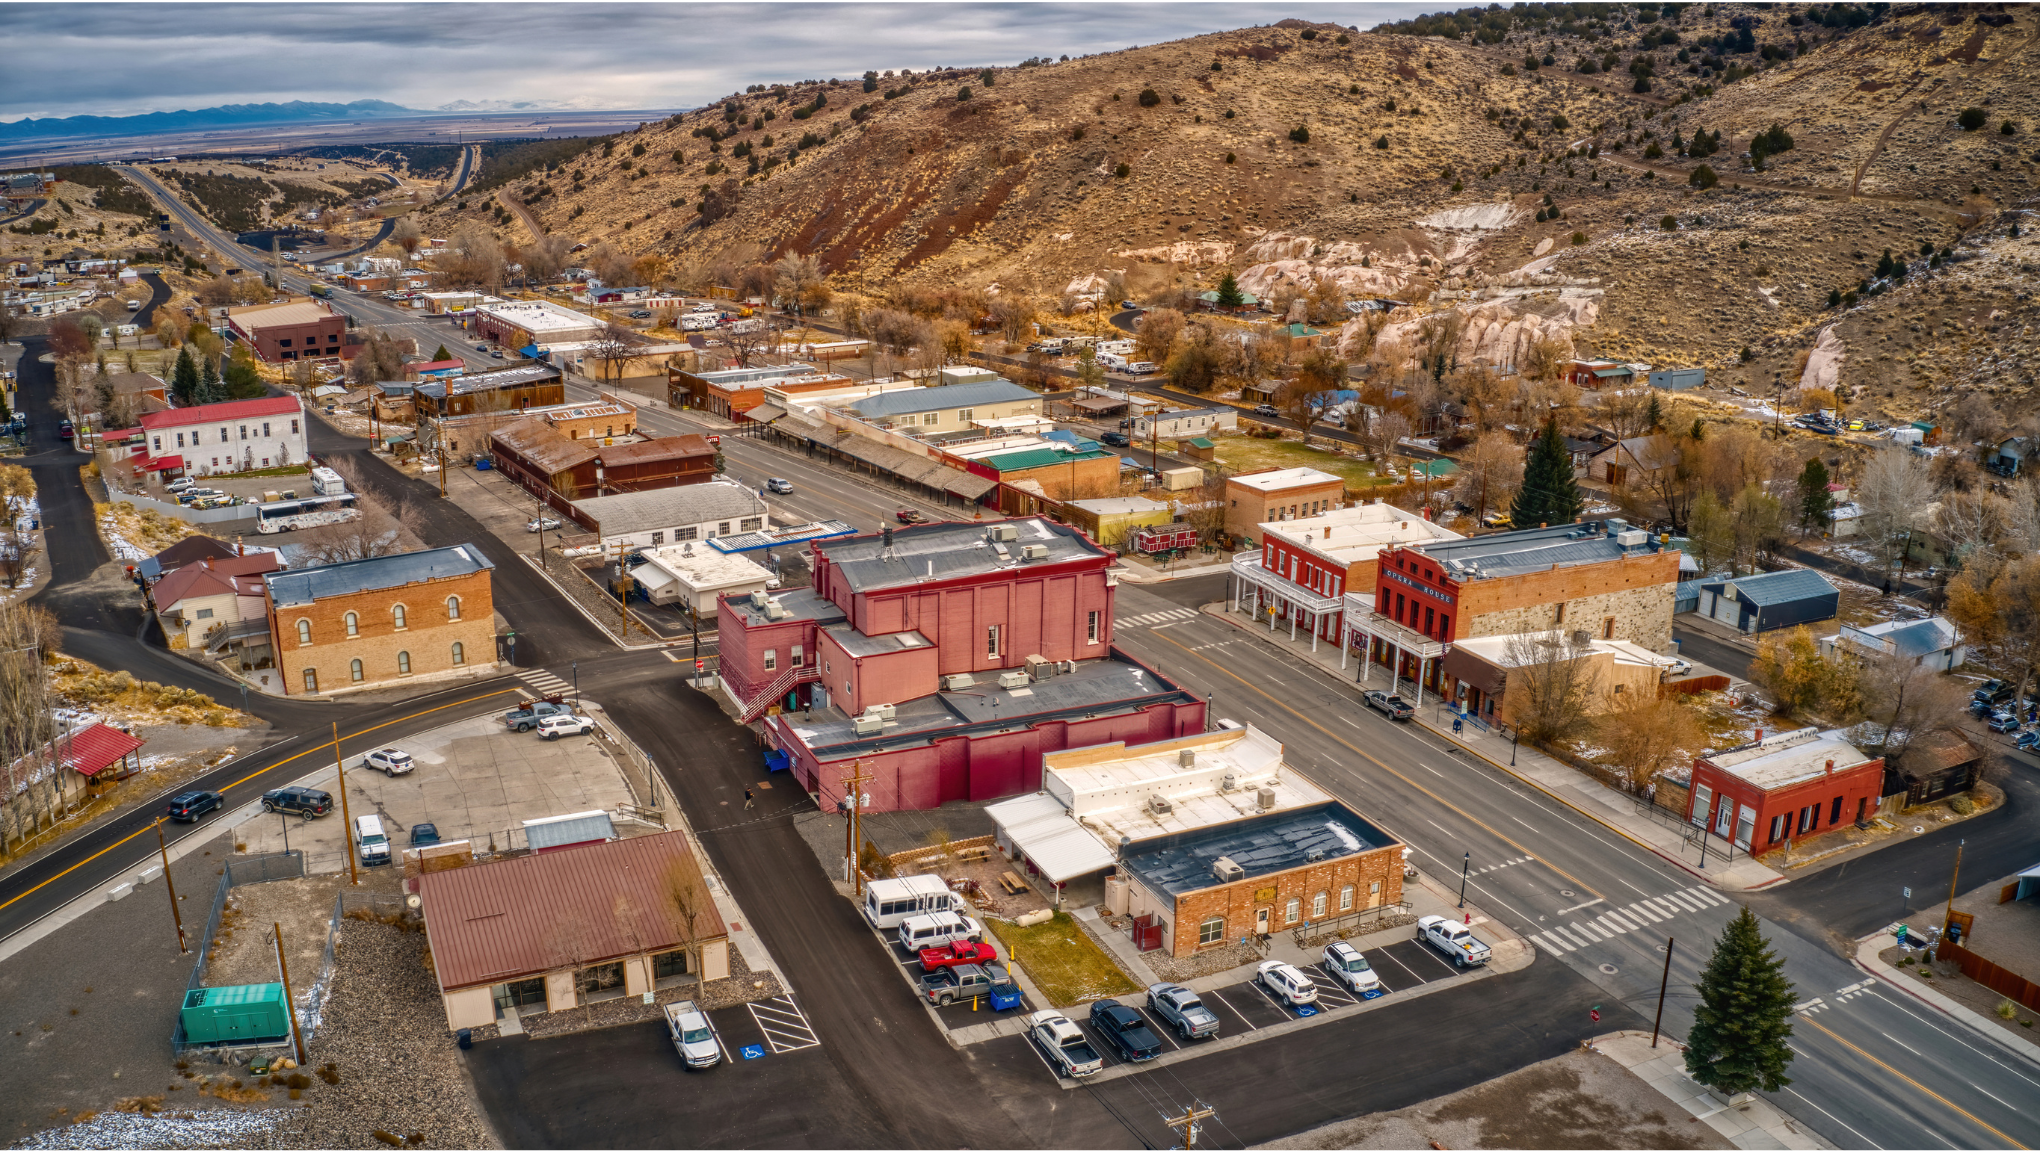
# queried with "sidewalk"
point(1867, 959)
point(1757, 1124)
point(1617, 811)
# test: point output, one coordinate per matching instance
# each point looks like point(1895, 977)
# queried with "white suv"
point(565, 724)
point(1286, 983)
point(392, 761)
point(1350, 968)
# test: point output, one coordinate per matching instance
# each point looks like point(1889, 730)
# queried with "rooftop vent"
point(1229, 782)
point(958, 682)
point(1313, 855)
point(1187, 758)
point(1160, 806)
point(1264, 799)
point(1224, 869)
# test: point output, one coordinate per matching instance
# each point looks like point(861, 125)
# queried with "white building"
point(233, 436)
point(1184, 423)
point(674, 515)
point(693, 575)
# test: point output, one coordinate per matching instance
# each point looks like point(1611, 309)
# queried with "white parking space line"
point(1035, 1047)
point(1404, 967)
point(1229, 1004)
point(1156, 1026)
point(785, 1026)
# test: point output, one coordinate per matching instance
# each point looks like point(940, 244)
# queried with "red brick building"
point(1775, 789)
point(302, 329)
point(544, 459)
point(944, 659)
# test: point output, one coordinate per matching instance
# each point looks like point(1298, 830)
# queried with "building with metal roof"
point(688, 512)
point(1770, 600)
point(365, 623)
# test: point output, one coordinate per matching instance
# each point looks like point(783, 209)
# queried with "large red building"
point(300, 329)
point(943, 660)
point(1766, 793)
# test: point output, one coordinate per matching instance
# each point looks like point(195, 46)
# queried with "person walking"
point(749, 800)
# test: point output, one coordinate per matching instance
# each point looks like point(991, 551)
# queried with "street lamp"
point(576, 666)
point(1464, 867)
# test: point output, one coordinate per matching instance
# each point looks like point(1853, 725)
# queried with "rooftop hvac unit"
point(1160, 806)
point(758, 599)
point(1631, 538)
point(1229, 782)
point(869, 725)
point(958, 682)
point(1264, 799)
point(1313, 855)
point(1040, 667)
point(774, 610)
point(1226, 870)
point(1186, 758)
point(1005, 533)
point(1034, 552)
point(882, 711)
point(1012, 679)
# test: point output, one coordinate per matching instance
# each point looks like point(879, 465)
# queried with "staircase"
point(776, 691)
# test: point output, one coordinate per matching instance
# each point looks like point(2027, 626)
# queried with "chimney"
point(1830, 767)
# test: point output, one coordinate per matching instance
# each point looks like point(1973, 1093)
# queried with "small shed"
point(1932, 767)
point(1770, 600)
point(1197, 448)
point(1678, 379)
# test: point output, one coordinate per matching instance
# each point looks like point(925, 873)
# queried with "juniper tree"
point(184, 379)
point(1745, 1015)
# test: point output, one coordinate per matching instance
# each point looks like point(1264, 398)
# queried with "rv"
point(888, 903)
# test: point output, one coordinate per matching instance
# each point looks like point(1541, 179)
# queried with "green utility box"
point(235, 1014)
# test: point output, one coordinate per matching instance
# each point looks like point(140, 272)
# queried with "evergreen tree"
point(184, 379)
point(1738, 1039)
point(1549, 494)
point(241, 380)
point(210, 390)
point(442, 354)
point(1815, 501)
point(1654, 416)
point(1229, 294)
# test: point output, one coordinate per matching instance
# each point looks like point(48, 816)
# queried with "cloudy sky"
point(123, 59)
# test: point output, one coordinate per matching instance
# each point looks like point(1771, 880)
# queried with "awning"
point(763, 413)
point(1470, 669)
point(967, 485)
point(530, 352)
point(163, 464)
point(93, 750)
point(1044, 832)
point(1099, 404)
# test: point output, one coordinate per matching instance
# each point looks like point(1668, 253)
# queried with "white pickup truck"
point(1452, 938)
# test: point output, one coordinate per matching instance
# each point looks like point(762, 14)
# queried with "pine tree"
point(1549, 494)
point(242, 381)
point(442, 354)
point(184, 379)
point(1654, 416)
point(1738, 1039)
point(209, 390)
point(1815, 501)
point(1229, 294)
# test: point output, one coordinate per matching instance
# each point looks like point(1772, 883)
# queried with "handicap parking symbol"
point(1305, 1010)
point(752, 1051)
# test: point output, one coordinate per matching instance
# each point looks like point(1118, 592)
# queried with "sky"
point(125, 59)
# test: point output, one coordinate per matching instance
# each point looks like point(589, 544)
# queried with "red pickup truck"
point(961, 952)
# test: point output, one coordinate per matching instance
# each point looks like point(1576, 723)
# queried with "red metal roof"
point(162, 462)
point(514, 919)
point(227, 410)
point(93, 750)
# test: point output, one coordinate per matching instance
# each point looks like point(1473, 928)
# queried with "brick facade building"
point(366, 622)
point(1284, 494)
point(503, 390)
point(1775, 789)
point(548, 462)
point(302, 329)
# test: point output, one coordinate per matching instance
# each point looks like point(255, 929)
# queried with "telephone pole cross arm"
point(1188, 1122)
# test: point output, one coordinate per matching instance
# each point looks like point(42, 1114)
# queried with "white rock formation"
point(1824, 362)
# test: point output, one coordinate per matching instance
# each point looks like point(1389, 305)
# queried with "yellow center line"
point(1337, 739)
point(251, 776)
point(1965, 1113)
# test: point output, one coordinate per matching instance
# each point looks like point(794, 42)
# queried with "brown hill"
point(1419, 171)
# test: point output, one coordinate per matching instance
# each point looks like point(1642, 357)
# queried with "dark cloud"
point(163, 57)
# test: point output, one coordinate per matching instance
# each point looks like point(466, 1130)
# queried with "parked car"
point(525, 718)
point(498, 355)
point(306, 802)
point(2026, 740)
point(909, 516)
point(1453, 939)
point(1064, 1044)
point(1496, 520)
point(1265, 410)
point(1981, 708)
point(1286, 982)
point(777, 484)
point(1346, 965)
point(693, 1035)
point(187, 807)
point(1129, 305)
point(565, 724)
point(424, 834)
point(392, 761)
point(1183, 1011)
point(1392, 706)
point(481, 347)
point(1994, 691)
point(958, 953)
point(700, 309)
point(179, 484)
point(949, 985)
point(541, 524)
point(2002, 722)
point(1126, 1030)
point(640, 314)
point(1679, 666)
point(1116, 439)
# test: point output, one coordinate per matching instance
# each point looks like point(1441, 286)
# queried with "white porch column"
point(1232, 593)
point(1420, 681)
point(1345, 645)
point(1295, 610)
point(1316, 626)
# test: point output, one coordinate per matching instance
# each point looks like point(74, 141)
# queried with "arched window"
point(459, 654)
point(304, 632)
point(453, 607)
point(403, 663)
point(311, 679)
point(397, 615)
point(353, 624)
point(354, 670)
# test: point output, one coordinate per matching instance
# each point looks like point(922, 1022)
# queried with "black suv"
point(187, 807)
point(306, 802)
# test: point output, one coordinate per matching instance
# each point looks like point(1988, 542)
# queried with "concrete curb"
point(1866, 960)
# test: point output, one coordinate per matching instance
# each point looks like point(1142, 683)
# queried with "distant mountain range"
point(226, 115)
point(582, 104)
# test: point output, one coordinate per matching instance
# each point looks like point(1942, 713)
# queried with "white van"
point(933, 931)
point(888, 903)
point(374, 842)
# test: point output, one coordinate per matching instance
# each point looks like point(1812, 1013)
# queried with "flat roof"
point(674, 507)
point(1351, 535)
point(1284, 478)
point(948, 550)
point(1053, 841)
point(1788, 757)
point(1112, 787)
point(294, 312)
point(858, 644)
point(1533, 550)
point(800, 604)
point(1261, 846)
point(539, 316)
point(911, 401)
point(512, 377)
point(700, 568)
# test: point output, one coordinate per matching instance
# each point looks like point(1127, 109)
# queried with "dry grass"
point(145, 528)
point(1063, 961)
point(1252, 454)
point(122, 697)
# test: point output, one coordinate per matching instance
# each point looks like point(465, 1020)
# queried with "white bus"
point(888, 903)
point(288, 515)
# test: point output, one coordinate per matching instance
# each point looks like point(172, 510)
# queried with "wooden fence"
point(2003, 981)
point(1693, 685)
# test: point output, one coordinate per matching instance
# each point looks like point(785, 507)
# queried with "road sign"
point(1908, 893)
point(700, 664)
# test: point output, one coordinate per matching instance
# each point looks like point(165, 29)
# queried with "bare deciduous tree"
point(1551, 684)
point(1489, 473)
point(380, 530)
point(1652, 734)
point(1894, 493)
point(613, 347)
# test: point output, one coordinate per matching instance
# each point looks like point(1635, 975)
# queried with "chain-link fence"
point(246, 870)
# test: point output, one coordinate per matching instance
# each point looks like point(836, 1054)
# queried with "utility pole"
point(622, 591)
point(441, 449)
point(1948, 917)
point(168, 883)
point(854, 796)
point(346, 821)
point(1663, 982)
point(297, 1034)
point(1187, 1123)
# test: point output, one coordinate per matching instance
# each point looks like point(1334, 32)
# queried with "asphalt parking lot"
point(775, 1088)
point(964, 1013)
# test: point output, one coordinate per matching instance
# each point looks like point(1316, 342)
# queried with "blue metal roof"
point(304, 585)
point(1778, 587)
point(911, 400)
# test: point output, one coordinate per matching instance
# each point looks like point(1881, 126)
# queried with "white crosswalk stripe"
point(1644, 912)
point(1636, 917)
point(1708, 896)
point(544, 682)
point(1552, 944)
point(1685, 902)
point(1148, 619)
point(1572, 941)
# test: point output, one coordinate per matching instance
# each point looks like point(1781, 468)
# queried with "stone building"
point(365, 623)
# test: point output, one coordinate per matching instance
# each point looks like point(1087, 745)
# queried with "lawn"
point(1063, 961)
point(1252, 454)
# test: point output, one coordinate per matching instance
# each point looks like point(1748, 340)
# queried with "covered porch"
point(1263, 591)
point(1407, 653)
